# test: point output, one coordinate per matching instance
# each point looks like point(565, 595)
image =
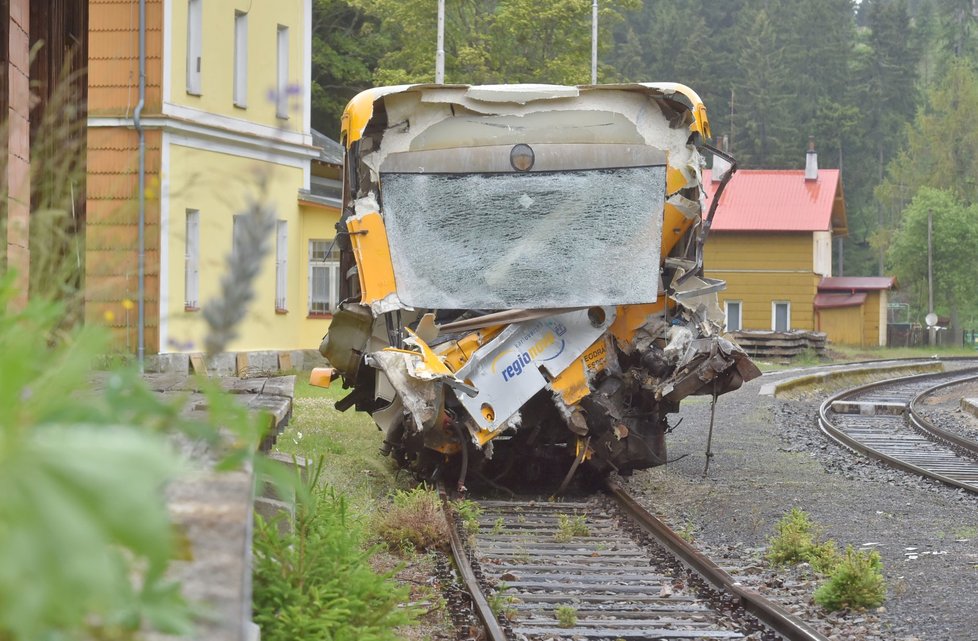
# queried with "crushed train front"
point(523, 283)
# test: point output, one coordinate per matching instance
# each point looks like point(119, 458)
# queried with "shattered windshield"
point(525, 240)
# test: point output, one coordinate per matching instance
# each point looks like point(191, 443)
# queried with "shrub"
point(414, 523)
point(569, 527)
point(856, 583)
point(469, 512)
point(796, 541)
point(566, 616)
point(315, 582)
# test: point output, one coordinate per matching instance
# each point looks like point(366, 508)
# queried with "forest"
point(887, 88)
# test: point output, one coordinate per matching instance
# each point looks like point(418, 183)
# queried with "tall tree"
point(346, 45)
point(762, 112)
point(492, 41)
point(954, 247)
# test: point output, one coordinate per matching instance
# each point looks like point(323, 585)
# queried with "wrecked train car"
point(523, 283)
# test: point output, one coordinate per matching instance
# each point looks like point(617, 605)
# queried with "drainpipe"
point(141, 257)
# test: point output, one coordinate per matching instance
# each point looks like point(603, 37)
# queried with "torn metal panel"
point(510, 369)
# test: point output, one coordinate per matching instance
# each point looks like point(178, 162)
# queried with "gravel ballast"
point(769, 456)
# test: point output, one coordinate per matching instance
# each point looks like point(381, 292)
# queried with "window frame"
point(191, 261)
point(331, 266)
point(195, 46)
point(774, 315)
point(740, 314)
point(281, 266)
point(240, 79)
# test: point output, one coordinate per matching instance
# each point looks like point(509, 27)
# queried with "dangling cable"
point(709, 437)
point(573, 468)
point(460, 488)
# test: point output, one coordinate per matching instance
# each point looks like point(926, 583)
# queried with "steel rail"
point(854, 445)
point(772, 615)
point(494, 631)
point(949, 438)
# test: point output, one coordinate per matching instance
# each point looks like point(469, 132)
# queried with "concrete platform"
point(868, 409)
point(212, 511)
point(970, 405)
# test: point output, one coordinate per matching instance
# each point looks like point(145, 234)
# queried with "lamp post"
point(594, 42)
point(440, 51)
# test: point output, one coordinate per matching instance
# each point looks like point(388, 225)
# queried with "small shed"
point(852, 309)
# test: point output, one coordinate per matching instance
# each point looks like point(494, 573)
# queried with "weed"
point(686, 532)
point(497, 526)
point(569, 527)
point(796, 541)
point(501, 603)
point(856, 583)
point(414, 522)
point(469, 512)
point(315, 581)
point(566, 616)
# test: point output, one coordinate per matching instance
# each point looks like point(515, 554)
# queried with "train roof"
point(360, 109)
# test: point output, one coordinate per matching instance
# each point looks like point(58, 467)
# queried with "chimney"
point(720, 166)
point(811, 161)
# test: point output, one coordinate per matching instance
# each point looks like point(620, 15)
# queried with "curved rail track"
point(604, 569)
point(882, 421)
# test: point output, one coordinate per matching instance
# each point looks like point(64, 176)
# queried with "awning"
point(829, 301)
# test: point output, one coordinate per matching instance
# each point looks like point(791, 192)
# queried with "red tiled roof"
point(856, 283)
point(777, 200)
point(828, 301)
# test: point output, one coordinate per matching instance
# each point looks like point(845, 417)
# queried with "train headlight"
point(521, 157)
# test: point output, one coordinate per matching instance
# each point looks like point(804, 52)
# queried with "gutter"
point(141, 257)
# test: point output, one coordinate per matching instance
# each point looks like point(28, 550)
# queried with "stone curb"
point(818, 378)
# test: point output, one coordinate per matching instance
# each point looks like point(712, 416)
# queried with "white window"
point(324, 276)
point(734, 316)
point(282, 78)
point(191, 262)
point(240, 59)
point(781, 316)
point(194, 45)
point(281, 264)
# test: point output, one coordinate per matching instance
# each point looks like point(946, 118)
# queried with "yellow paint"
point(456, 353)
point(219, 186)
point(675, 180)
point(700, 121)
point(356, 115)
point(674, 225)
point(372, 252)
point(217, 62)
point(322, 376)
point(572, 383)
point(843, 325)
point(316, 223)
point(760, 251)
point(630, 317)
point(431, 360)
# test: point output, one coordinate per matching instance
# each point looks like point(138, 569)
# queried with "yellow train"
point(522, 275)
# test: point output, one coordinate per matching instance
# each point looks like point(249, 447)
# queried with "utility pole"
point(931, 326)
point(440, 51)
point(594, 42)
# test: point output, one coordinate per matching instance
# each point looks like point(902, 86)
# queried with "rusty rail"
point(790, 627)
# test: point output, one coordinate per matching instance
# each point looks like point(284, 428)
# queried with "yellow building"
point(771, 241)
point(852, 309)
point(226, 121)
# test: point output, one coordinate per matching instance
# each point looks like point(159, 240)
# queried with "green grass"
point(348, 441)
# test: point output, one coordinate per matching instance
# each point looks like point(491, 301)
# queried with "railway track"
point(604, 569)
point(883, 421)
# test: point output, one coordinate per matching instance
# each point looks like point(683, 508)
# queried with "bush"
point(856, 583)
point(796, 541)
point(315, 582)
point(414, 523)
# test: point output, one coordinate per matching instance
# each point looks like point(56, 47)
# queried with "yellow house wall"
point(874, 325)
point(315, 223)
point(219, 186)
point(217, 60)
point(844, 325)
point(763, 268)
